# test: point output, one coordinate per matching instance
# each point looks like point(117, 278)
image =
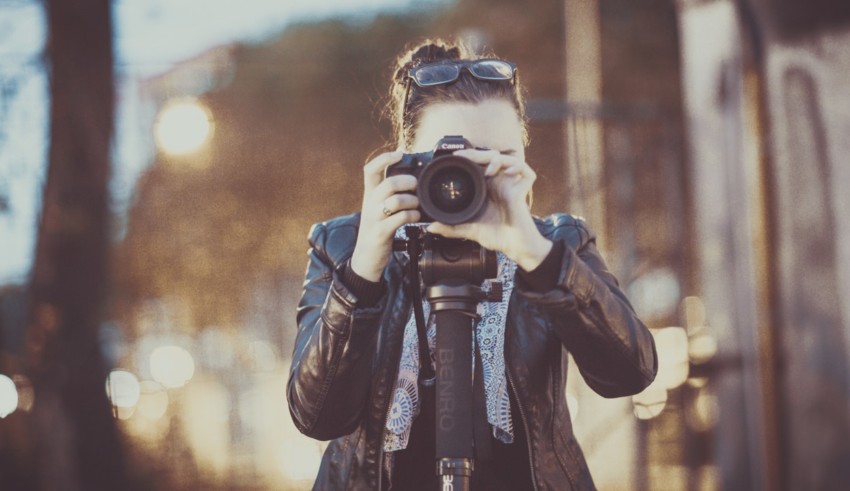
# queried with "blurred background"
point(161, 164)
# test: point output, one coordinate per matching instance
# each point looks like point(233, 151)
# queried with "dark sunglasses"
point(447, 72)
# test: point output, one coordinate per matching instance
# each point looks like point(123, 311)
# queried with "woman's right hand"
point(387, 205)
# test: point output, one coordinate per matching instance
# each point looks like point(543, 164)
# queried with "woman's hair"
point(405, 120)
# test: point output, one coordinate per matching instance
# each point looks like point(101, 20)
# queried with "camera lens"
point(452, 190)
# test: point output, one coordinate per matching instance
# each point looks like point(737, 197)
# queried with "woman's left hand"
point(506, 224)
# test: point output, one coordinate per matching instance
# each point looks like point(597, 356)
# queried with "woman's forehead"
point(491, 123)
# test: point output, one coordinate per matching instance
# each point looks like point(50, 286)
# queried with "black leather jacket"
point(346, 358)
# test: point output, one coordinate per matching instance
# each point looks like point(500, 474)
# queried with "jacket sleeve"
point(330, 377)
point(613, 349)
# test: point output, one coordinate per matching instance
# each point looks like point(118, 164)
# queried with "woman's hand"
point(387, 205)
point(506, 224)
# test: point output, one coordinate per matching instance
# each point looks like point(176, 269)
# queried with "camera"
point(451, 189)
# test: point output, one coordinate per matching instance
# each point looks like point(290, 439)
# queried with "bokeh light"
point(182, 127)
point(262, 357)
point(702, 415)
point(672, 346)
point(122, 388)
point(655, 294)
point(216, 348)
point(150, 422)
point(171, 366)
point(153, 400)
point(649, 403)
point(702, 347)
point(26, 393)
point(8, 396)
point(694, 310)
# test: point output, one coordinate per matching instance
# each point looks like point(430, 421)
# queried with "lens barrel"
point(452, 190)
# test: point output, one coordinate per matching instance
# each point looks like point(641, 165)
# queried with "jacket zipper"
point(525, 426)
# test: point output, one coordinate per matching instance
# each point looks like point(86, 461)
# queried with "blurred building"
point(767, 114)
point(753, 206)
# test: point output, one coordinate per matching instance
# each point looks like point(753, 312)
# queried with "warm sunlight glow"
point(300, 459)
point(572, 405)
point(172, 366)
point(672, 346)
point(183, 127)
point(8, 396)
point(205, 409)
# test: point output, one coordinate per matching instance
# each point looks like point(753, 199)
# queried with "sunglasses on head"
point(446, 72)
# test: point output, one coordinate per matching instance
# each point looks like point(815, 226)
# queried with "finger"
point(449, 231)
point(511, 167)
point(503, 163)
point(396, 220)
point(400, 202)
point(393, 185)
point(496, 161)
point(373, 171)
point(524, 171)
point(478, 156)
point(513, 170)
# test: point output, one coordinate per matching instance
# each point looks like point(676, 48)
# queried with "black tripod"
point(451, 271)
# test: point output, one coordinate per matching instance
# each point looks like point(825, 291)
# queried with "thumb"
point(448, 231)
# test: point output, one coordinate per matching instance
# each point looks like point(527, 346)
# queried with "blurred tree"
point(76, 443)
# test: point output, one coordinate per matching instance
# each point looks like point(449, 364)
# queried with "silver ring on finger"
point(386, 211)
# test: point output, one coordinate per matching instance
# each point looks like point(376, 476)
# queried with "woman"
point(355, 362)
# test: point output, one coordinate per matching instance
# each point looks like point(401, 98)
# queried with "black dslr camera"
point(451, 189)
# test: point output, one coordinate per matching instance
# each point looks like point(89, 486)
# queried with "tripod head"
point(455, 259)
point(438, 260)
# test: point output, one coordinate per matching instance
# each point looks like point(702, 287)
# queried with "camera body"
point(451, 189)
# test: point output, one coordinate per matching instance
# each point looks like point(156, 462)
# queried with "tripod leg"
point(453, 413)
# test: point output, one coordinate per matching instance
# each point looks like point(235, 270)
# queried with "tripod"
point(451, 270)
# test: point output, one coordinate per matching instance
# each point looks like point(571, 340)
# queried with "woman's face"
point(491, 123)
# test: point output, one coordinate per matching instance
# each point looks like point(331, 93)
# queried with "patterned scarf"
point(490, 336)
